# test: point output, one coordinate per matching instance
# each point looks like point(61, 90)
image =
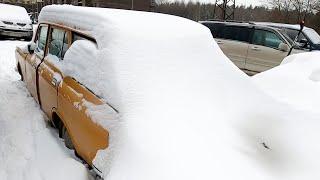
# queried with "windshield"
point(312, 35)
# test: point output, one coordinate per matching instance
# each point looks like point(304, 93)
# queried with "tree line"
point(280, 11)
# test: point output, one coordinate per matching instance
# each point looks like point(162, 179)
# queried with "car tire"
point(67, 140)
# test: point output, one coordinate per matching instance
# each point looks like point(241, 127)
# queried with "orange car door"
point(33, 61)
point(49, 75)
point(86, 135)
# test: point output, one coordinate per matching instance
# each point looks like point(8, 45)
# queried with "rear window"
point(76, 36)
point(215, 28)
point(236, 33)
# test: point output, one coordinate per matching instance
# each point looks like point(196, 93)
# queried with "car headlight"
point(7, 22)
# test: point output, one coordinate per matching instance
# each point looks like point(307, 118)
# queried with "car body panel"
point(32, 63)
point(261, 58)
point(236, 51)
point(20, 60)
point(87, 136)
point(47, 87)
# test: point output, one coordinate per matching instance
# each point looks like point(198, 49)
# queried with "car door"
point(49, 75)
point(34, 60)
point(234, 42)
point(73, 100)
point(264, 52)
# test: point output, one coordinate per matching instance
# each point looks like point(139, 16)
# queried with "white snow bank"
point(186, 111)
point(295, 81)
point(14, 14)
point(28, 149)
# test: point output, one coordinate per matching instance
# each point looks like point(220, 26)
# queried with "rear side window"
point(215, 28)
point(236, 33)
point(266, 38)
point(77, 36)
point(41, 38)
point(58, 43)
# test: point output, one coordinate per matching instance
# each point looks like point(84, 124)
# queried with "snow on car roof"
point(13, 13)
point(96, 20)
point(186, 111)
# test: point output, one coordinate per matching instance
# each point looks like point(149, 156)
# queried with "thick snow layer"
point(295, 81)
point(14, 14)
point(28, 149)
point(186, 112)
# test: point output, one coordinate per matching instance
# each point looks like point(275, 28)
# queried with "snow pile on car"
point(295, 81)
point(186, 111)
point(14, 14)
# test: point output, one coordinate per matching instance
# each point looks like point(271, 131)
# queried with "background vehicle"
point(253, 48)
point(309, 39)
point(15, 22)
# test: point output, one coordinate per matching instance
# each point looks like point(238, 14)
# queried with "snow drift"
point(186, 111)
point(295, 81)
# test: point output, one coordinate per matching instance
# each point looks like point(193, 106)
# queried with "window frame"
point(270, 31)
point(37, 37)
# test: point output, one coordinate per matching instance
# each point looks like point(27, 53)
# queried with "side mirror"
point(31, 47)
point(303, 41)
point(284, 47)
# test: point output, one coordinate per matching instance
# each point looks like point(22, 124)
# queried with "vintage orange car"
point(57, 93)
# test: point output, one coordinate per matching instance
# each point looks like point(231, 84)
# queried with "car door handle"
point(255, 48)
point(54, 81)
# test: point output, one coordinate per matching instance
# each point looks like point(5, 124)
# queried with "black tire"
point(67, 140)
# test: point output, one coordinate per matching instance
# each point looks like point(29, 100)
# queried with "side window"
point(215, 28)
point(41, 38)
point(236, 33)
point(266, 38)
point(228, 33)
point(58, 44)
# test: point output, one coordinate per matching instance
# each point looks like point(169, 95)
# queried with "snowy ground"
point(29, 149)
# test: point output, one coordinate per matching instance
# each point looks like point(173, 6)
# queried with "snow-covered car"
point(15, 22)
point(145, 96)
point(63, 99)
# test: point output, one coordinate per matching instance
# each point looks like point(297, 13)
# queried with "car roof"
point(282, 25)
point(241, 23)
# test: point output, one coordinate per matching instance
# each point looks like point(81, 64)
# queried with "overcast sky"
point(238, 2)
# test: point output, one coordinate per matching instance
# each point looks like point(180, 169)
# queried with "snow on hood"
point(186, 112)
point(14, 14)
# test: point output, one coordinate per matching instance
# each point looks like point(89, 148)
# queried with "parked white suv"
point(15, 22)
point(253, 48)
